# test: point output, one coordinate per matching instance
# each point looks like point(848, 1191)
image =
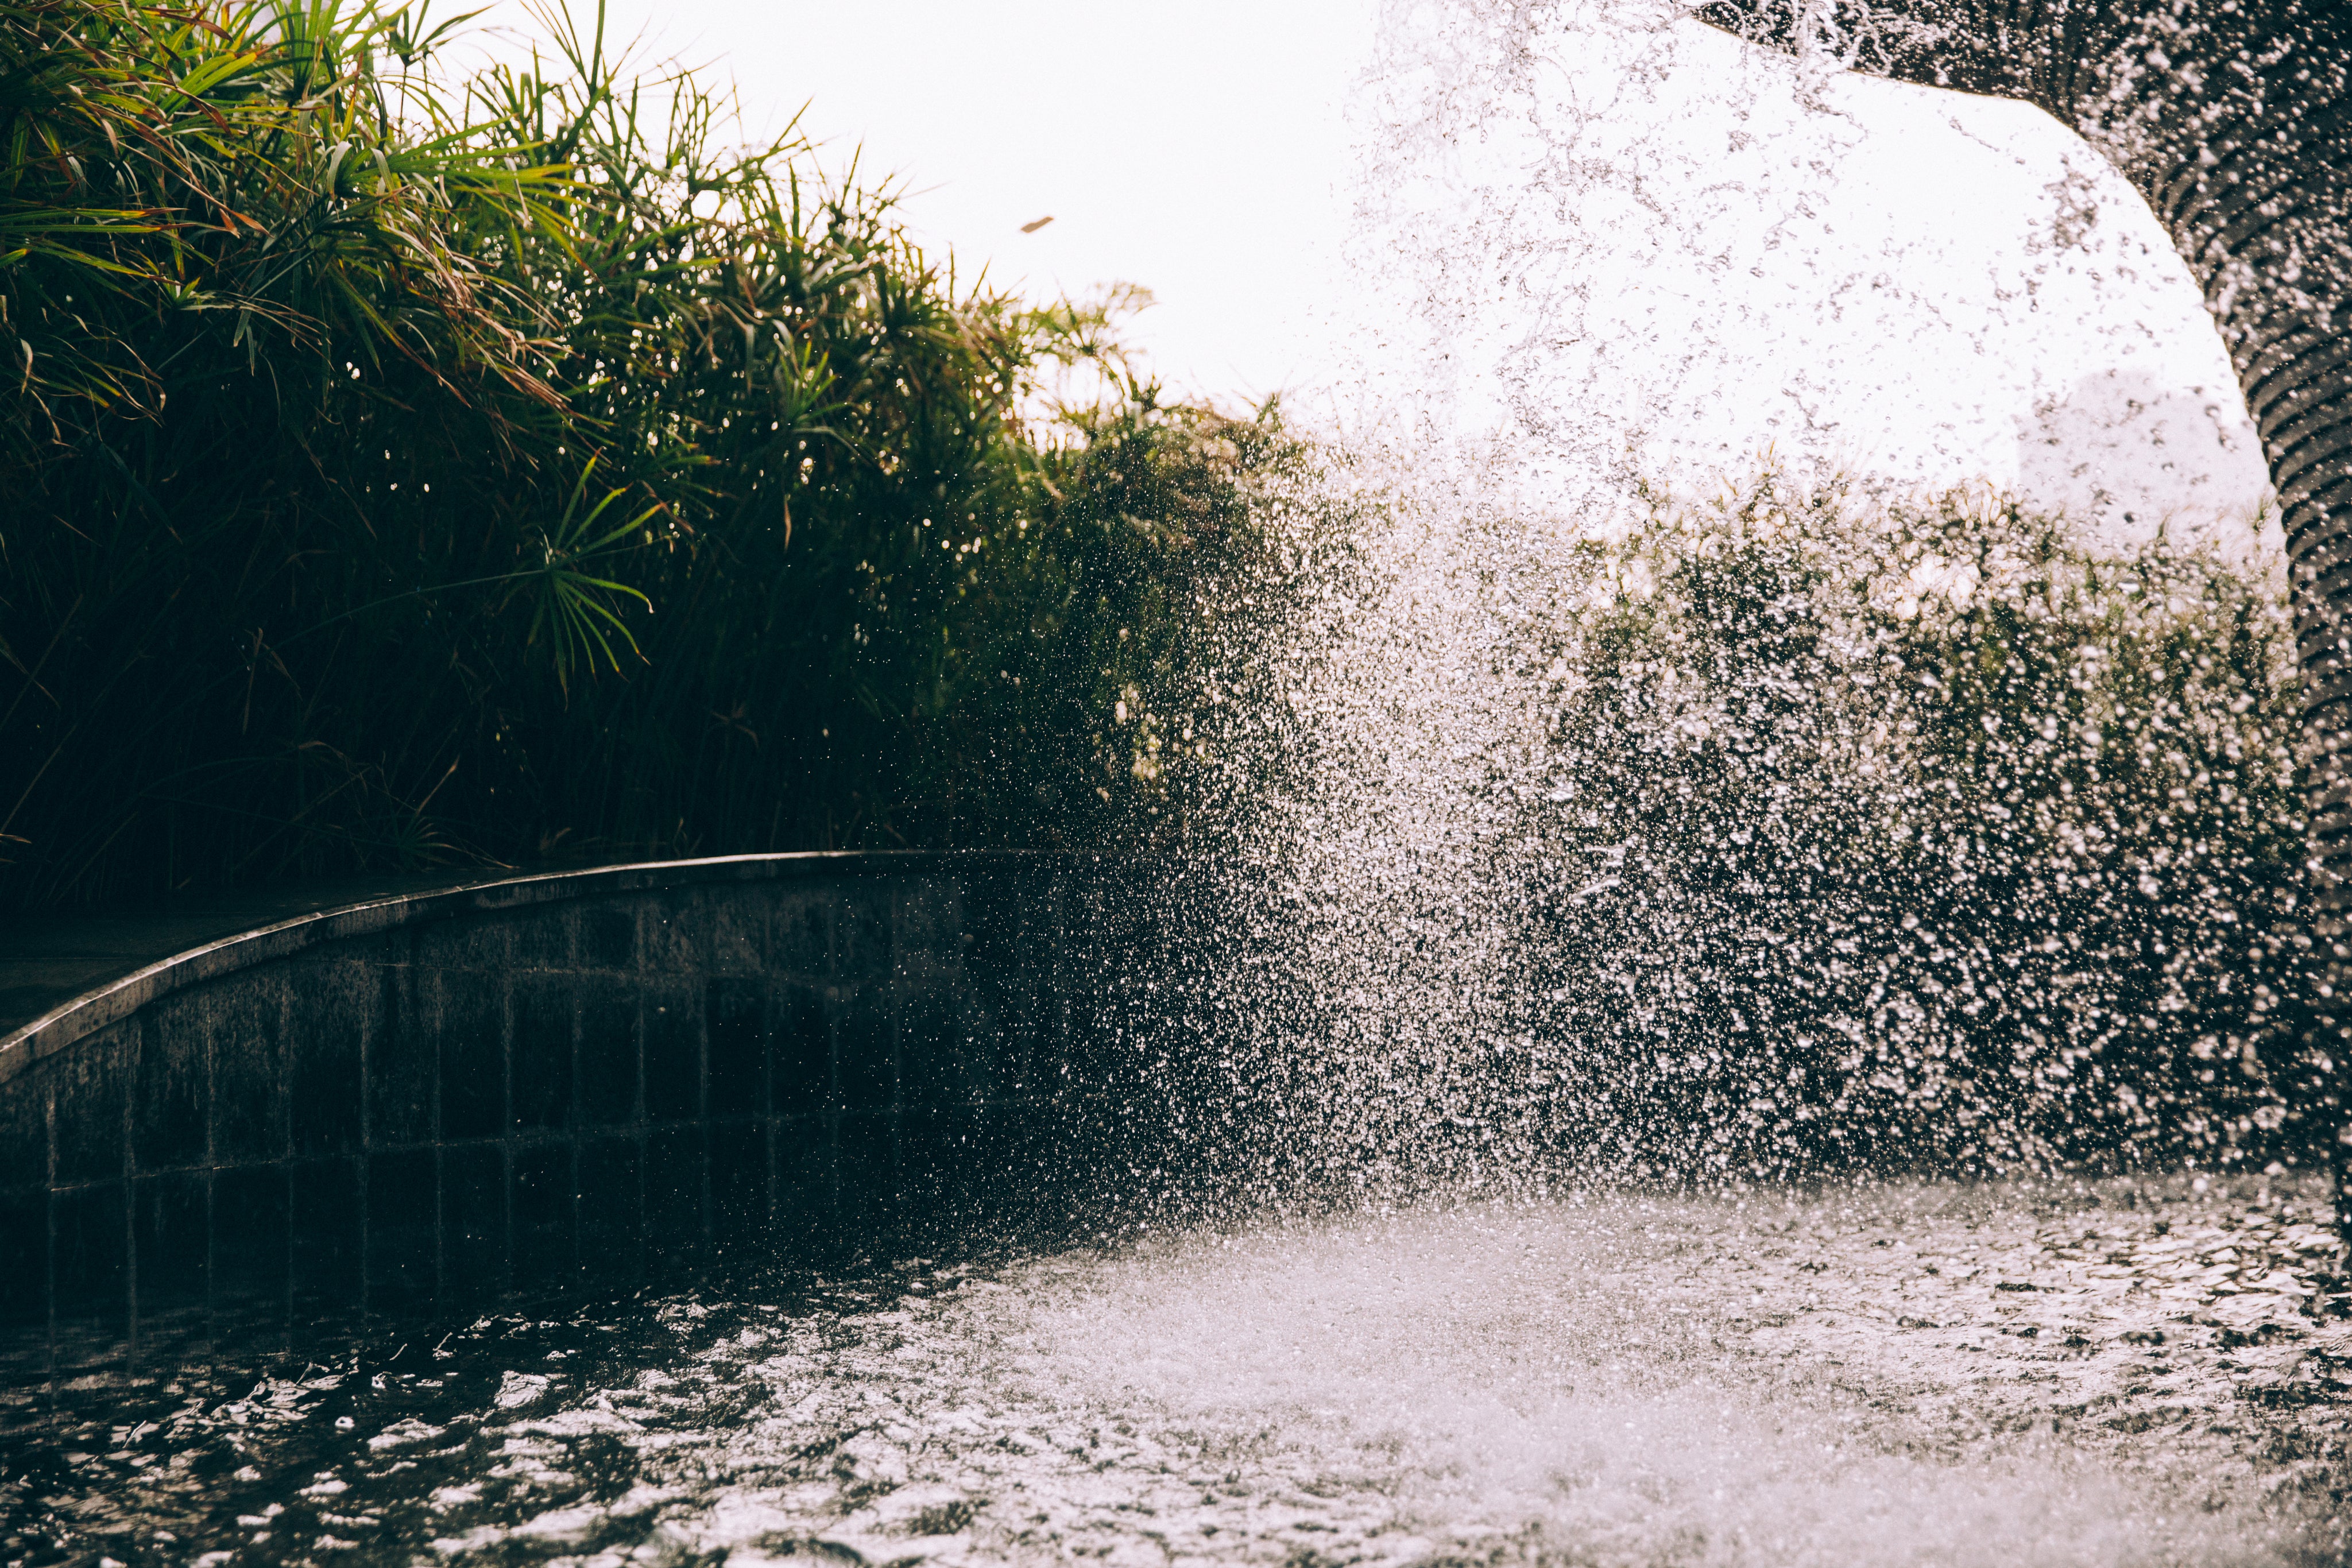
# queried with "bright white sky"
point(1194, 149)
point(1651, 239)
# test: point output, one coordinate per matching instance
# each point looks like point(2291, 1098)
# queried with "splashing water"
point(1600, 817)
point(1911, 1374)
point(1775, 834)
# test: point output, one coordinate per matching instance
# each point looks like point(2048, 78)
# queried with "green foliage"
point(1931, 835)
point(402, 470)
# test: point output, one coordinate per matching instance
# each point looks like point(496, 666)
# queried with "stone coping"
point(175, 968)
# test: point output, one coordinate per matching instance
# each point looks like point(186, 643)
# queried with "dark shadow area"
point(573, 1100)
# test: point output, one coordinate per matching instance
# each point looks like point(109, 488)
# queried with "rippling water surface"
point(2121, 1373)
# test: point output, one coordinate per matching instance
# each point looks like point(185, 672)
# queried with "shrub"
point(405, 470)
point(1940, 838)
point(1781, 834)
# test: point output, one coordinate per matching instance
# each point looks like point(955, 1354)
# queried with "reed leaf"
point(362, 413)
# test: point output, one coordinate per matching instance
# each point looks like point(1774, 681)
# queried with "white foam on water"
point(1558, 1377)
point(2119, 1373)
point(1929, 1374)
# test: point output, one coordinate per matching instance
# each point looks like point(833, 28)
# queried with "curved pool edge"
point(117, 999)
point(528, 1085)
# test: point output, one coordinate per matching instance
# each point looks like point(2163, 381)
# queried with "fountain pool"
point(1545, 823)
point(2122, 1371)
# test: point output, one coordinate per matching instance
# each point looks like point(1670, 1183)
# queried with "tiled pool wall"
point(593, 1088)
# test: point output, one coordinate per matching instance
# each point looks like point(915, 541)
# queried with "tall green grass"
point(404, 468)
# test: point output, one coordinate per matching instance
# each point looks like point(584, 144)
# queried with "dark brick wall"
point(593, 1088)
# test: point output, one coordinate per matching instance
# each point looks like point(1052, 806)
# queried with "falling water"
point(1695, 748)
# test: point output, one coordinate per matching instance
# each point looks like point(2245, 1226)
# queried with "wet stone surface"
point(2126, 1372)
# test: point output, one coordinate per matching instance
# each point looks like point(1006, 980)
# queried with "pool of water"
point(2113, 1373)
